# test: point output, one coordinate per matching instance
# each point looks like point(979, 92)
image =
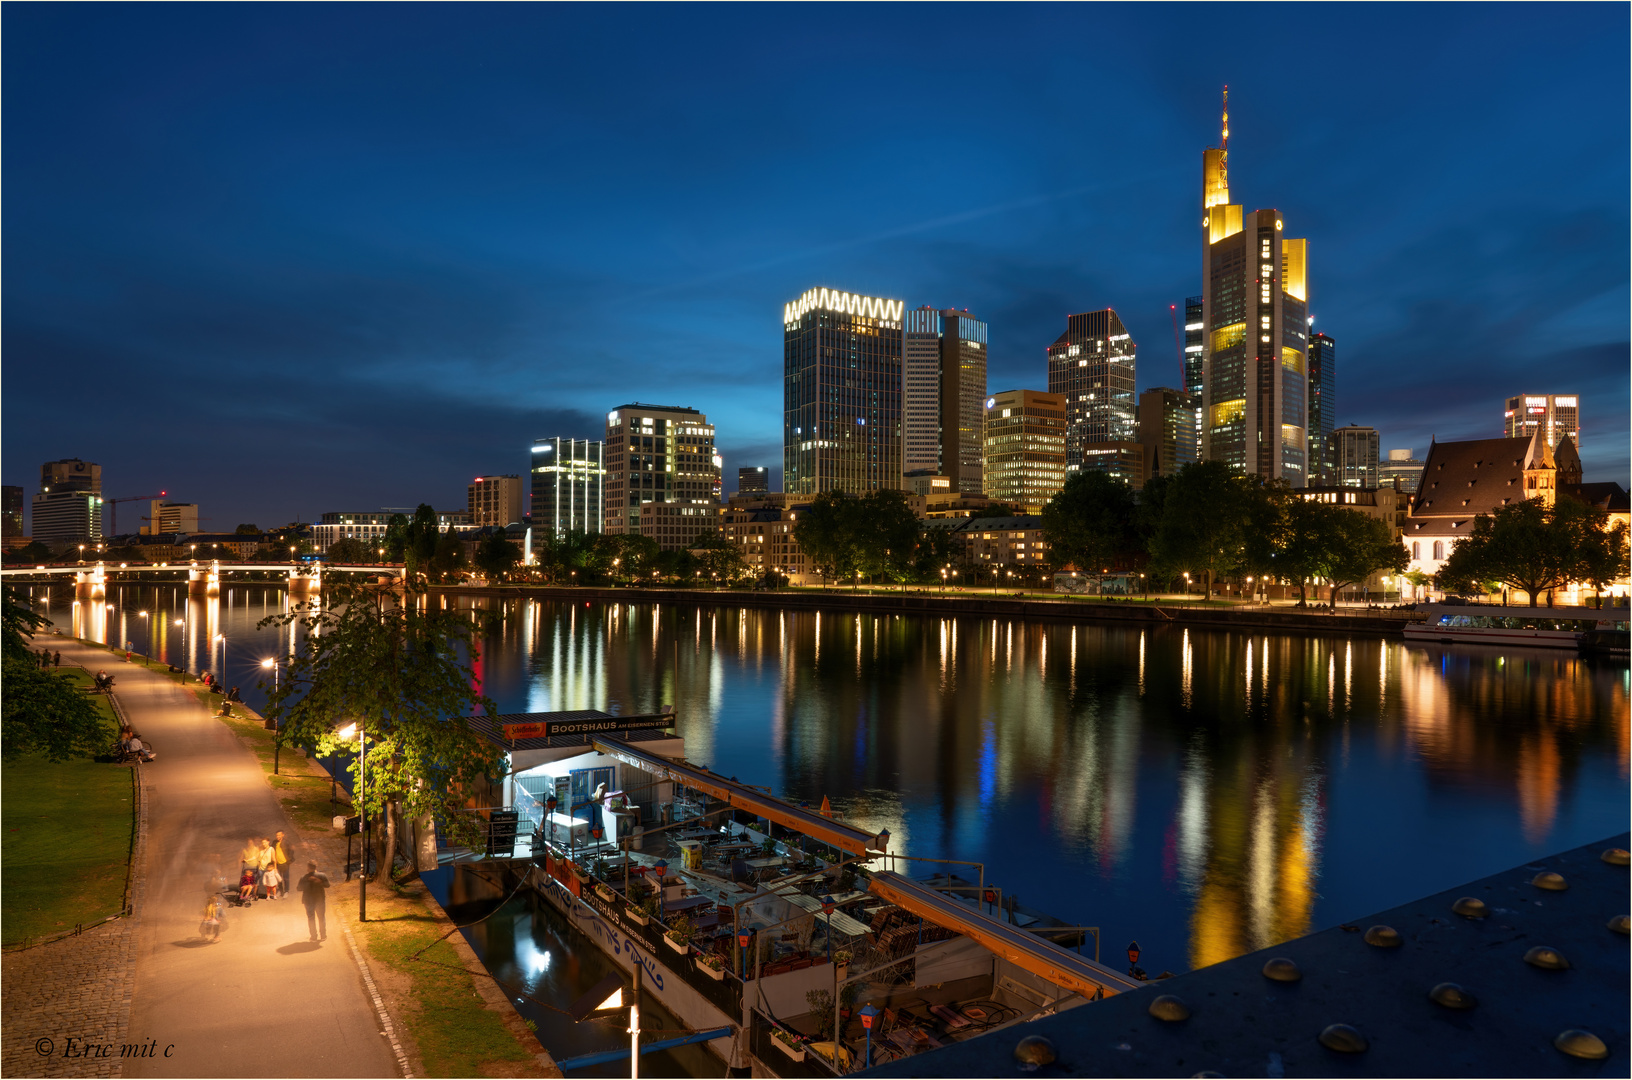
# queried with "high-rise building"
point(1354, 456)
point(1167, 429)
point(1401, 467)
point(168, 517)
point(1254, 333)
point(67, 516)
point(495, 500)
point(11, 510)
point(753, 481)
point(1554, 415)
point(1192, 365)
point(569, 486)
point(1025, 448)
point(71, 474)
point(945, 380)
point(661, 454)
point(1322, 407)
point(841, 393)
point(1091, 366)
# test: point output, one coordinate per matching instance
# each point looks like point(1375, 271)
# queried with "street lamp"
point(183, 626)
point(147, 636)
point(82, 554)
point(867, 1012)
point(362, 814)
point(827, 911)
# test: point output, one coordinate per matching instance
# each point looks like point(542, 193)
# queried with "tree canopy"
point(875, 534)
point(1534, 548)
point(43, 712)
point(1203, 528)
point(1089, 524)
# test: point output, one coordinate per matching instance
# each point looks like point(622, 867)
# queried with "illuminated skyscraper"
point(1254, 333)
point(1025, 448)
point(1352, 451)
point(841, 393)
point(945, 365)
point(1192, 367)
point(1091, 366)
point(1322, 407)
point(568, 486)
point(1554, 415)
point(658, 454)
point(1167, 430)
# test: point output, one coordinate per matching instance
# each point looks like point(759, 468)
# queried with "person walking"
point(56, 660)
point(314, 888)
point(210, 928)
point(282, 850)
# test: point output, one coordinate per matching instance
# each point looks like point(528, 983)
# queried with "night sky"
point(286, 259)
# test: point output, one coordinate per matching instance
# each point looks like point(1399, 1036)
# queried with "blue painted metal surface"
point(587, 1060)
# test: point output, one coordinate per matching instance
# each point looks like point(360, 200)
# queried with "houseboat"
point(1530, 627)
point(799, 938)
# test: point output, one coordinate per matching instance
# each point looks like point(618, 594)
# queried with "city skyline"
point(488, 261)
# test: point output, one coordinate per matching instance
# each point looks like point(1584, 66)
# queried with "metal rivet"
point(1384, 937)
point(1033, 1051)
point(1169, 1008)
point(1543, 957)
point(1452, 996)
point(1344, 1039)
point(1581, 1044)
point(1618, 924)
point(1281, 969)
point(1616, 856)
point(1549, 880)
point(1471, 907)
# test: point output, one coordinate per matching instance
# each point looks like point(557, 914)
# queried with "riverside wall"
point(1036, 609)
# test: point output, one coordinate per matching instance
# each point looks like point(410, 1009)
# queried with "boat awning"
point(1021, 948)
point(844, 837)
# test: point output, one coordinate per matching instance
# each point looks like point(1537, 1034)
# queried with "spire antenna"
point(1224, 160)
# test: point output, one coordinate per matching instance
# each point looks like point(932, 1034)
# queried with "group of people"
point(48, 659)
point(131, 745)
point(264, 864)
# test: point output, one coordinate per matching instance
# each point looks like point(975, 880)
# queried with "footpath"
point(263, 1000)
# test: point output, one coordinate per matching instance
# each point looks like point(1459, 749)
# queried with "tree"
point(1089, 524)
point(496, 555)
point(31, 552)
point(886, 534)
point(395, 540)
point(43, 712)
point(399, 671)
point(351, 550)
point(1306, 543)
point(450, 554)
point(1363, 545)
point(1604, 557)
point(718, 557)
point(247, 530)
point(826, 534)
point(1203, 523)
point(937, 551)
point(1528, 546)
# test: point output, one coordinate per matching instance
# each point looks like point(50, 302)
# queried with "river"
point(1206, 793)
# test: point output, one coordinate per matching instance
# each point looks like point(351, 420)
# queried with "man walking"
point(314, 889)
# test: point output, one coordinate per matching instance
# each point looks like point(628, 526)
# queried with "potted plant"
point(789, 1043)
point(768, 846)
point(644, 912)
point(680, 934)
point(841, 961)
point(711, 964)
point(578, 872)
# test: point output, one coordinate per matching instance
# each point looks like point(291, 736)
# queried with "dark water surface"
point(1207, 793)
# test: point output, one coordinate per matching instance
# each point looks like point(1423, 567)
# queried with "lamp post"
point(867, 1013)
point(147, 636)
point(827, 910)
point(745, 937)
point(362, 812)
point(181, 623)
point(277, 733)
point(82, 554)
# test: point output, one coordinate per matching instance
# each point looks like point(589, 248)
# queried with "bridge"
point(203, 579)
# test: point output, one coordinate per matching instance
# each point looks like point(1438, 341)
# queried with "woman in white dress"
point(270, 878)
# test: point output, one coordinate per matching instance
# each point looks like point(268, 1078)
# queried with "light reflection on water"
point(1207, 793)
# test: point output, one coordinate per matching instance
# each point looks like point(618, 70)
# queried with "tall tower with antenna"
point(1254, 331)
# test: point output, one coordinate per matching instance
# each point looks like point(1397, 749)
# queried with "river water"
point(1206, 793)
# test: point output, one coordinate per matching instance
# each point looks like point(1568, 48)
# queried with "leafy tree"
point(450, 554)
point(718, 558)
point(399, 671)
point(1528, 546)
point(420, 537)
point(1362, 546)
point(1089, 524)
point(351, 550)
point(936, 551)
point(826, 534)
point(496, 555)
point(31, 552)
point(395, 540)
point(681, 565)
point(573, 550)
point(1306, 543)
point(886, 534)
point(41, 712)
point(247, 530)
point(1204, 522)
point(1604, 557)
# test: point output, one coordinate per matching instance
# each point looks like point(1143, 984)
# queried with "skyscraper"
point(1192, 366)
point(1400, 468)
point(1322, 407)
point(1554, 415)
point(1091, 366)
point(1025, 448)
point(753, 481)
point(67, 516)
point(71, 474)
point(841, 393)
point(1167, 429)
point(569, 486)
point(1254, 333)
point(495, 500)
point(11, 511)
point(945, 377)
point(658, 454)
point(1354, 456)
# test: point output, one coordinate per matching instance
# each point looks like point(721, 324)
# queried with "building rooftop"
point(491, 728)
point(1465, 479)
point(658, 408)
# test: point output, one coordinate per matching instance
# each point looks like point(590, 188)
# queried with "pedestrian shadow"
point(299, 947)
point(192, 943)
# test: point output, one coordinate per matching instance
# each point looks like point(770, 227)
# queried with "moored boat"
point(1538, 627)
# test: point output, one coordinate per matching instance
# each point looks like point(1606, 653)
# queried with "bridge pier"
point(302, 586)
point(202, 583)
point(91, 584)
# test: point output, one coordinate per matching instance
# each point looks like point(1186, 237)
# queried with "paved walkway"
point(264, 1000)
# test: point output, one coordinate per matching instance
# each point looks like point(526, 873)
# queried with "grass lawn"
point(67, 844)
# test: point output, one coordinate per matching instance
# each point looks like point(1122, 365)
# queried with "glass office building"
point(568, 489)
point(842, 393)
point(945, 365)
point(1322, 407)
point(658, 454)
point(1091, 366)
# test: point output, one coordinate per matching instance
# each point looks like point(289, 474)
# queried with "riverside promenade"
point(264, 1000)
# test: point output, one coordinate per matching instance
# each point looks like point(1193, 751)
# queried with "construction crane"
point(113, 505)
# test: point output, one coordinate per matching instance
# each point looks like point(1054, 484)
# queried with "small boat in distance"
point(1537, 627)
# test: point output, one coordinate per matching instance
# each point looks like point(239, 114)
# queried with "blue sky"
point(285, 259)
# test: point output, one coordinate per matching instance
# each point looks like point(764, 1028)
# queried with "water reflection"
point(1207, 793)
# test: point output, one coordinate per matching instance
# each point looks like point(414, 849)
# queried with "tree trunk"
point(390, 837)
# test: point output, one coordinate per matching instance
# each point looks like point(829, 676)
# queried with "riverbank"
point(1381, 622)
